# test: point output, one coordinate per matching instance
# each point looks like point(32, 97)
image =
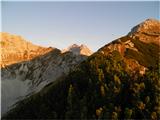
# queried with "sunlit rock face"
point(138, 46)
point(15, 49)
point(115, 73)
point(27, 68)
point(78, 50)
point(147, 31)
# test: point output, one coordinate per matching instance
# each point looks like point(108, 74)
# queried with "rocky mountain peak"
point(147, 31)
point(148, 26)
point(27, 68)
point(15, 49)
point(78, 49)
point(140, 48)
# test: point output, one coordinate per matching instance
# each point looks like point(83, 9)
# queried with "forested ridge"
point(100, 88)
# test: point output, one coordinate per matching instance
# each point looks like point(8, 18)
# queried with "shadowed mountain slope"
point(119, 81)
point(25, 76)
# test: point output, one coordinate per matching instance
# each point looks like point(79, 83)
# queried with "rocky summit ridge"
point(78, 49)
point(16, 49)
point(139, 48)
point(26, 68)
point(119, 81)
point(148, 31)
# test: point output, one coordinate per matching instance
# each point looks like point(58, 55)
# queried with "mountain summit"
point(119, 81)
point(26, 68)
point(148, 31)
point(15, 49)
point(139, 48)
point(148, 26)
point(79, 49)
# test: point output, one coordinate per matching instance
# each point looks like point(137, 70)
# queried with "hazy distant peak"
point(78, 49)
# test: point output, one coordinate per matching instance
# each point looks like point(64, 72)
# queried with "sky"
point(60, 24)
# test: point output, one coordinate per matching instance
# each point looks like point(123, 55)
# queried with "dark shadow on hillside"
point(43, 62)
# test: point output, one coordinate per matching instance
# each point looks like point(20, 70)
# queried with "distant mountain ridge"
point(26, 68)
point(78, 49)
point(119, 81)
point(15, 49)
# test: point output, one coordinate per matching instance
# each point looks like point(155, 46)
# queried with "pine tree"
point(73, 108)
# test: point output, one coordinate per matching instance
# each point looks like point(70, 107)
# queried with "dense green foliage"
point(99, 88)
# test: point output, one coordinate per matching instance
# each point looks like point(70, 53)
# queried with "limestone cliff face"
point(15, 49)
point(139, 50)
point(27, 68)
point(78, 50)
point(105, 77)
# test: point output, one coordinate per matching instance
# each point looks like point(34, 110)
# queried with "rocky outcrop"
point(139, 50)
point(138, 46)
point(33, 75)
point(27, 68)
point(15, 49)
point(78, 50)
point(147, 31)
point(110, 84)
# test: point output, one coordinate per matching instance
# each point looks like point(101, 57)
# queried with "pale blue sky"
point(60, 24)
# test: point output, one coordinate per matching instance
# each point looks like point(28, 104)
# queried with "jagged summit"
point(140, 47)
point(15, 49)
point(78, 49)
point(147, 31)
point(27, 68)
point(148, 26)
point(119, 81)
